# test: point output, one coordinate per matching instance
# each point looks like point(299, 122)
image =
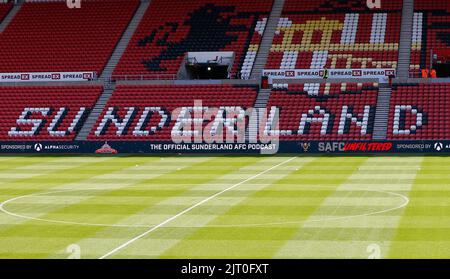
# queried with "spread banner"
point(381, 74)
point(47, 76)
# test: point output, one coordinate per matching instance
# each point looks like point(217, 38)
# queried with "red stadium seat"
point(420, 112)
point(169, 29)
point(431, 31)
point(130, 102)
point(4, 9)
point(49, 37)
point(336, 111)
point(49, 113)
point(319, 34)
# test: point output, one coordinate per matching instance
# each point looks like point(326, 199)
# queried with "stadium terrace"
point(225, 129)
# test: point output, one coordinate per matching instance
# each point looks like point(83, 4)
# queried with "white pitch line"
point(4, 210)
point(115, 250)
point(404, 204)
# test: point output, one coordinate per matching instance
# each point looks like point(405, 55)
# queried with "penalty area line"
point(115, 250)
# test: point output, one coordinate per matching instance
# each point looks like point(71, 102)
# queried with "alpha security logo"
point(38, 147)
point(438, 146)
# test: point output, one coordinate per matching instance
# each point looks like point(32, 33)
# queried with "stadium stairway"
point(109, 69)
point(9, 17)
point(382, 112)
point(251, 135)
point(125, 40)
point(96, 111)
point(404, 52)
point(266, 42)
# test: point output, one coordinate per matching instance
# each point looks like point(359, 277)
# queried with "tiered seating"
point(4, 9)
point(48, 36)
point(326, 111)
point(145, 112)
point(169, 29)
point(336, 34)
point(431, 31)
point(419, 112)
point(45, 113)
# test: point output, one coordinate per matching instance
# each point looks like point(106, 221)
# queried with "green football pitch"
point(224, 207)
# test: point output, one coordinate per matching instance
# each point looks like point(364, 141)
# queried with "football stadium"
point(224, 129)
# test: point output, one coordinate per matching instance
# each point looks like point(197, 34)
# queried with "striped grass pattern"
point(225, 207)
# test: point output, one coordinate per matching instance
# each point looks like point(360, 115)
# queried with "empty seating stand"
point(420, 112)
point(170, 29)
point(335, 34)
point(48, 36)
point(336, 111)
point(52, 113)
point(149, 113)
point(4, 9)
point(431, 31)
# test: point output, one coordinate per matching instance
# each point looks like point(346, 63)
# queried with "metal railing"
point(415, 73)
point(157, 77)
point(143, 77)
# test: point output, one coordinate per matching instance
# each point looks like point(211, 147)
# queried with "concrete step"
point(404, 52)
point(10, 16)
point(260, 103)
point(95, 113)
point(267, 39)
point(125, 39)
point(382, 112)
